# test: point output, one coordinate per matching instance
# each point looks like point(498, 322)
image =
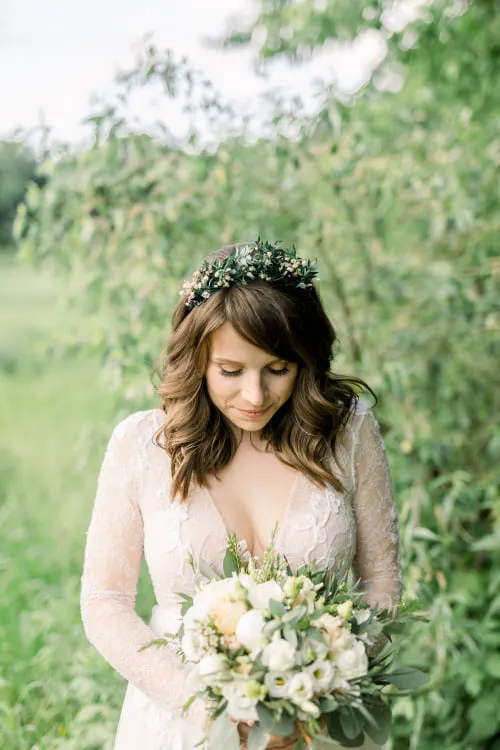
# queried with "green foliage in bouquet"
point(239, 624)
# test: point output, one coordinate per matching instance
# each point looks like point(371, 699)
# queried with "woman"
point(253, 430)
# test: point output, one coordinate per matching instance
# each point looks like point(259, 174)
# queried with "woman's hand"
point(276, 741)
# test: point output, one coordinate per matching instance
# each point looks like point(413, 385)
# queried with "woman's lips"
point(253, 414)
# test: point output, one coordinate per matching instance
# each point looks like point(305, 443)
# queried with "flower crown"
point(257, 260)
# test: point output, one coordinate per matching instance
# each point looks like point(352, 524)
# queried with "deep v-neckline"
point(281, 524)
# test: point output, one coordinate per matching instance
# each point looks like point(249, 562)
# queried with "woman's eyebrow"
point(222, 360)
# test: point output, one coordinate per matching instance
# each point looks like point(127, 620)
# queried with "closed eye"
point(235, 373)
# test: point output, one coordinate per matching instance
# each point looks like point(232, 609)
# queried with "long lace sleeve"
point(112, 562)
point(377, 559)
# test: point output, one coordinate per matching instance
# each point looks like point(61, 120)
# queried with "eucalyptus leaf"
point(294, 615)
point(382, 716)
point(315, 634)
point(284, 726)
point(324, 739)
point(351, 721)
point(267, 718)
point(327, 705)
point(276, 608)
point(206, 570)
point(291, 636)
point(336, 731)
point(407, 678)
point(257, 738)
point(230, 564)
point(223, 733)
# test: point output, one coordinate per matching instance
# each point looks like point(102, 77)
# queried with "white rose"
point(279, 655)
point(321, 673)
point(214, 591)
point(300, 688)
point(239, 706)
point(277, 683)
point(261, 594)
point(226, 615)
point(213, 668)
point(353, 662)
point(249, 630)
point(328, 622)
point(335, 633)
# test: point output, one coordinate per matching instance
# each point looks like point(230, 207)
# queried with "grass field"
point(55, 416)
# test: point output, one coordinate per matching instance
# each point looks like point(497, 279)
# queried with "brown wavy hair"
point(291, 325)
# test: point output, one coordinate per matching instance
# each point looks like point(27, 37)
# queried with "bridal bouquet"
point(292, 653)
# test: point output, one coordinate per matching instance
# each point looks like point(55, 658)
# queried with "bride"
point(254, 429)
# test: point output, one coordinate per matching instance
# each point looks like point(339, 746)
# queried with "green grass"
point(55, 416)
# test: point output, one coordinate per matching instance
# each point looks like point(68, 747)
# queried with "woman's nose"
point(254, 392)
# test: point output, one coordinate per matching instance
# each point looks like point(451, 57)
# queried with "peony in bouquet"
point(293, 654)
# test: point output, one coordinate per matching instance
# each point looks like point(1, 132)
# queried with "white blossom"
point(352, 662)
point(249, 630)
point(277, 683)
point(321, 673)
point(194, 646)
point(213, 669)
point(279, 655)
point(239, 706)
point(261, 594)
point(308, 707)
point(300, 688)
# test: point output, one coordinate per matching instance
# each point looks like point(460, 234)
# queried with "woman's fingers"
point(250, 722)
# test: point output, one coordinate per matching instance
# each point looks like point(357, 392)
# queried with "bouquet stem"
point(304, 734)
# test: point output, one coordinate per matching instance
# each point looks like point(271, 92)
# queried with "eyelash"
point(235, 373)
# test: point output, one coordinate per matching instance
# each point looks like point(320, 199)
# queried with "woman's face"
point(245, 383)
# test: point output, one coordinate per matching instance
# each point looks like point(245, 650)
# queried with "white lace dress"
point(133, 515)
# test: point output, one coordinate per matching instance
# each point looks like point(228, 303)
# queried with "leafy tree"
point(17, 168)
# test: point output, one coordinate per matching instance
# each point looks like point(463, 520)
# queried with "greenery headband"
point(258, 260)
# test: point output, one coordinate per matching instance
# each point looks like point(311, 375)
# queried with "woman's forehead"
point(226, 345)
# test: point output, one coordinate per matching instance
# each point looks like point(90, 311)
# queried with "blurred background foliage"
point(17, 169)
point(395, 190)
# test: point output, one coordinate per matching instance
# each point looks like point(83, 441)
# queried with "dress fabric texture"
point(133, 516)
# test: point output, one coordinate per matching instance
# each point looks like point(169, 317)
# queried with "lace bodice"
point(133, 515)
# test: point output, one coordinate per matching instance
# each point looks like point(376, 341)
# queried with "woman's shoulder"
point(139, 425)
point(358, 411)
point(360, 417)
